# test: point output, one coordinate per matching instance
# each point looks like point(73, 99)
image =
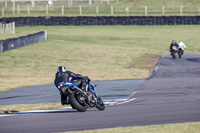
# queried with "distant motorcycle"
point(81, 99)
point(174, 51)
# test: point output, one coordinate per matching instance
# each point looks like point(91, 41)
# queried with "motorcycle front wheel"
point(77, 103)
point(100, 105)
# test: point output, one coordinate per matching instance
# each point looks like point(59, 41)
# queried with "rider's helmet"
point(61, 69)
point(174, 41)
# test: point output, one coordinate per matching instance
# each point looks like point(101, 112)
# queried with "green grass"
point(192, 127)
point(5, 109)
point(9, 35)
point(172, 7)
point(100, 52)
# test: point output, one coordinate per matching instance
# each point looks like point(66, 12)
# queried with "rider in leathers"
point(181, 46)
point(63, 75)
point(173, 44)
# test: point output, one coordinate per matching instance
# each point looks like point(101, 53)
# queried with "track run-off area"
point(170, 95)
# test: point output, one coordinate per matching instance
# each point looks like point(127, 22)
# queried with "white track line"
point(106, 102)
point(37, 111)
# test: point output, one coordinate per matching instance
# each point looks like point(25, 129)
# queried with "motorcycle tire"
point(180, 54)
point(76, 104)
point(100, 105)
point(173, 55)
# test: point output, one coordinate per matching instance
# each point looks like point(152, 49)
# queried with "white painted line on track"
point(37, 111)
point(117, 102)
point(3, 115)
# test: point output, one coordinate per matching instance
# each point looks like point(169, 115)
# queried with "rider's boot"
point(64, 99)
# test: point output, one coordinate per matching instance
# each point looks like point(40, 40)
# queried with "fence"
point(90, 7)
point(14, 43)
point(6, 28)
point(104, 20)
point(55, 3)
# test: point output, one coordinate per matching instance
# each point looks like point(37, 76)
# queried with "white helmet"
point(61, 69)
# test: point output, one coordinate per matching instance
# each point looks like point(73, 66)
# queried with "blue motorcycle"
point(81, 99)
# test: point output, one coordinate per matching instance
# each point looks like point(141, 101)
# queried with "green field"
point(193, 127)
point(100, 52)
point(135, 8)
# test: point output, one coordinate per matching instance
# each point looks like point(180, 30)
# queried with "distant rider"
point(63, 75)
point(173, 44)
point(181, 46)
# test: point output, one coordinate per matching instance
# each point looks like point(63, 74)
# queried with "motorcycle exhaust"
point(80, 91)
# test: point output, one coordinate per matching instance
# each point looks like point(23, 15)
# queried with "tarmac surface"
point(171, 95)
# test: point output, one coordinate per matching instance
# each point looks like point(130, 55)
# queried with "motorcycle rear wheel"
point(180, 54)
point(76, 103)
point(173, 55)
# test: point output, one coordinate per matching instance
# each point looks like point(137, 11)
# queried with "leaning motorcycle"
point(81, 99)
point(174, 51)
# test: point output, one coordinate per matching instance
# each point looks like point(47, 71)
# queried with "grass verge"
point(191, 127)
point(27, 107)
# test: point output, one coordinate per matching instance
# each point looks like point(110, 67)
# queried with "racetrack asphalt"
point(171, 95)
